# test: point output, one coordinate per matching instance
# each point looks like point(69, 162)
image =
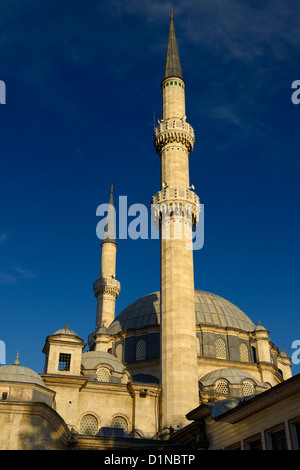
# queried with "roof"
point(234, 376)
point(211, 309)
point(172, 61)
point(236, 409)
point(94, 359)
point(65, 331)
point(20, 374)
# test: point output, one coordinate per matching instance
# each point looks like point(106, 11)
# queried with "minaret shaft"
point(176, 209)
point(106, 287)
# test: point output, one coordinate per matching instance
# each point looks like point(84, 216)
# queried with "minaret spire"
point(110, 227)
point(172, 61)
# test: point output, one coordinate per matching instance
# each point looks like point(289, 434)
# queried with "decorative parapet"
point(175, 201)
point(105, 285)
point(174, 130)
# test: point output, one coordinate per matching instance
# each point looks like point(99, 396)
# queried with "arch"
point(222, 387)
point(119, 422)
point(119, 351)
point(244, 353)
point(103, 374)
point(248, 388)
point(89, 425)
point(220, 347)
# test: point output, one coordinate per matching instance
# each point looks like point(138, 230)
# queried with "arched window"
point(140, 350)
point(248, 388)
point(244, 353)
point(119, 351)
point(222, 387)
point(119, 422)
point(89, 425)
point(103, 374)
point(220, 348)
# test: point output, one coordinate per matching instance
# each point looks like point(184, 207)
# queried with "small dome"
point(20, 374)
point(284, 354)
point(259, 327)
point(210, 309)
point(233, 376)
point(65, 331)
point(91, 360)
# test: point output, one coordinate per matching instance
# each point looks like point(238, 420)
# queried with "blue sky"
point(83, 89)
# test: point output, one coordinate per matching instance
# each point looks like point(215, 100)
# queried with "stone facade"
point(140, 374)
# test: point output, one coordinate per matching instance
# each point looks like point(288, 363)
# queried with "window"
point(220, 348)
point(140, 350)
point(119, 351)
point(253, 443)
point(248, 388)
point(103, 374)
point(89, 425)
point(4, 396)
point(254, 354)
point(244, 354)
point(276, 439)
point(295, 434)
point(222, 387)
point(64, 362)
point(119, 422)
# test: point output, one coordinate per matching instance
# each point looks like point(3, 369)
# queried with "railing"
point(107, 281)
point(170, 124)
point(184, 195)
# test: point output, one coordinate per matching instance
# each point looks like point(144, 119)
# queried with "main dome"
point(211, 309)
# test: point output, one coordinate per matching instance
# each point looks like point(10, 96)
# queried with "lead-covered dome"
point(20, 374)
point(211, 309)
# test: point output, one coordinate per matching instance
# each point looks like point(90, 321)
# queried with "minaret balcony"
point(171, 131)
point(176, 201)
point(105, 285)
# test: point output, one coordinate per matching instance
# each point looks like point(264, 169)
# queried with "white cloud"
point(14, 274)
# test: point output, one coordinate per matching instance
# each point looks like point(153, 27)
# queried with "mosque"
point(179, 368)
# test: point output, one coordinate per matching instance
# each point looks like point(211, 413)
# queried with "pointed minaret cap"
point(172, 61)
point(110, 227)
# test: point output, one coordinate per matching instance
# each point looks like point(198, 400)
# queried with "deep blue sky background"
point(83, 84)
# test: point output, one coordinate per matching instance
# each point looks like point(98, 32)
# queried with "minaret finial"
point(172, 14)
point(17, 362)
point(110, 227)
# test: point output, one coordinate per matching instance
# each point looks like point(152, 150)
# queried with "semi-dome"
point(233, 376)
point(91, 360)
point(211, 309)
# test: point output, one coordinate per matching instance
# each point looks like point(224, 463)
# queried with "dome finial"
point(17, 362)
point(66, 327)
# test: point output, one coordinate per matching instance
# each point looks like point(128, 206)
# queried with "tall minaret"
point(106, 287)
point(176, 207)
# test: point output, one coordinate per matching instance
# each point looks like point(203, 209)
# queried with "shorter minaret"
point(106, 287)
